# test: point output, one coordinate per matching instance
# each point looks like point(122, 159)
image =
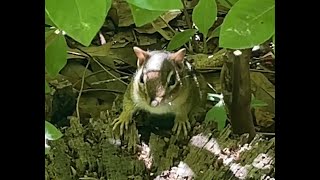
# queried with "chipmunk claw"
point(179, 125)
point(122, 123)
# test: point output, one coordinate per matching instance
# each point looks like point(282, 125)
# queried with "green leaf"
point(214, 33)
point(80, 19)
point(47, 87)
point(163, 5)
point(143, 16)
point(273, 40)
point(52, 133)
point(204, 15)
point(50, 37)
point(248, 23)
point(218, 114)
point(180, 39)
point(48, 20)
point(56, 54)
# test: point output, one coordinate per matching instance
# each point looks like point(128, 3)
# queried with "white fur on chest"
point(164, 108)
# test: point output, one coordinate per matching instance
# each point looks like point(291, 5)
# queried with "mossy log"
point(91, 152)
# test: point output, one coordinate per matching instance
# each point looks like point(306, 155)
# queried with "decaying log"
point(90, 152)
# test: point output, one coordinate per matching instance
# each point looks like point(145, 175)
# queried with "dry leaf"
point(124, 13)
point(263, 90)
point(264, 118)
point(102, 50)
point(147, 40)
point(74, 72)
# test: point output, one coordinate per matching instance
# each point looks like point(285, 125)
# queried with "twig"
point(266, 133)
point(77, 54)
point(109, 80)
point(109, 72)
point(102, 39)
point(174, 32)
point(211, 87)
point(168, 25)
point(219, 68)
point(90, 57)
point(188, 20)
point(101, 71)
point(135, 37)
point(80, 92)
point(88, 178)
point(108, 90)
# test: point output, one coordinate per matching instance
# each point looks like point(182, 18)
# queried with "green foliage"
point(218, 114)
point(248, 23)
point(51, 133)
point(80, 19)
point(143, 16)
point(48, 20)
point(204, 15)
point(163, 5)
point(180, 39)
point(55, 52)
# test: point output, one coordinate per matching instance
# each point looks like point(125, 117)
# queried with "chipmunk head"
point(158, 75)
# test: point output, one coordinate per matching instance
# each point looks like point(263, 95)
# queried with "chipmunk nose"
point(156, 101)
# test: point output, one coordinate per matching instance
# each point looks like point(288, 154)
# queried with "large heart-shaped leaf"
point(48, 20)
point(80, 19)
point(163, 5)
point(248, 23)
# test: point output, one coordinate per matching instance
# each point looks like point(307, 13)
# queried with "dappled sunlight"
point(262, 161)
point(230, 158)
point(145, 155)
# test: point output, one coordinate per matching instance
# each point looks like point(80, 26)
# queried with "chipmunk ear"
point(141, 55)
point(178, 57)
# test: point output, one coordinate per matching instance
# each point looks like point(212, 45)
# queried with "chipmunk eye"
point(172, 80)
point(141, 79)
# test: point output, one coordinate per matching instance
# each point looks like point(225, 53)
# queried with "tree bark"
point(236, 89)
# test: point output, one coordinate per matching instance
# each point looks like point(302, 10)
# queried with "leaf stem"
point(81, 89)
point(188, 20)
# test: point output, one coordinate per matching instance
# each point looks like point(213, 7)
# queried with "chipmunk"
point(163, 83)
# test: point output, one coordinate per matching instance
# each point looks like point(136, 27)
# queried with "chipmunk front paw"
point(127, 129)
point(181, 122)
point(122, 122)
